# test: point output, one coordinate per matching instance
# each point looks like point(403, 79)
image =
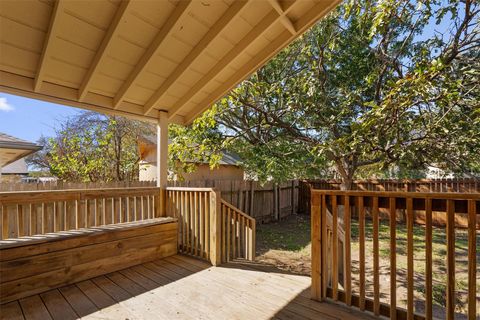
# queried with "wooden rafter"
point(172, 23)
point(280, 42)
point(112, 32)
point(238, 49)
point(283, 18)
point(199, 48)
point(47, 46)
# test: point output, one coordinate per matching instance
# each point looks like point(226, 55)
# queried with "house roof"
point(12, 148)
point(136, 58)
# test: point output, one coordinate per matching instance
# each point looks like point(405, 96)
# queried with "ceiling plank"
point(233, 11)
point(53, 29)
point(100, 55)
point(170, 25)
point(21, 86)
point(261, 58)
point(283, 18)
point(238, 49)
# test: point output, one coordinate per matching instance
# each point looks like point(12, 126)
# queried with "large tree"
point(91, 147)
point(374, 84)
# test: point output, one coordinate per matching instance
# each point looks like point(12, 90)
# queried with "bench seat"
point(34, 264)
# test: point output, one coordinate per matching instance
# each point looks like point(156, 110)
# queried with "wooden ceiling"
point(135, 58)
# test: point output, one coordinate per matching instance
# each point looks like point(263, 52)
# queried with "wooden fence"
point(60, 185)
point(30, 213)
point(326, 273)
point(267, 202)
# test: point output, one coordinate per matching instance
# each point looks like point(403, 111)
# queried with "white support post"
point(162, 158)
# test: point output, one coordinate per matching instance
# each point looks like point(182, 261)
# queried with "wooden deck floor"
point(180, 287)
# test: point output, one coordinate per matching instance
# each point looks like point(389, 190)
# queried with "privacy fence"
point(264, 202)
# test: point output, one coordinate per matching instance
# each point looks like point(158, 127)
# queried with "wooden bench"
point(31, 265)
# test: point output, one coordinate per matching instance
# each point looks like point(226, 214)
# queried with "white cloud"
point(5, 106)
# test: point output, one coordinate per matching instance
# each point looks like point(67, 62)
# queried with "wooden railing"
point(31, 213)
point(404, 185)
point(325, 252)
point(210, 228)
point(238, 234)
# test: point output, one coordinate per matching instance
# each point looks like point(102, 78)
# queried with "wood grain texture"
point(64, 261)
point(163, 289)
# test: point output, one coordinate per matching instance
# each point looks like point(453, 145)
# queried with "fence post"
point(215, 228)
point(252, 196)
point(316, 289)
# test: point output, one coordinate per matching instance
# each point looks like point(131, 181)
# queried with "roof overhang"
point(136, 58)
point(12, 151)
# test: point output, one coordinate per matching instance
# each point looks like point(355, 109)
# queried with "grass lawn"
point(287, 245)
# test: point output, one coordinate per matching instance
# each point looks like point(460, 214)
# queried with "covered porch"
point(173, 253)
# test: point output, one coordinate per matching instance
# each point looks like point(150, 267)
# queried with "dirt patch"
point(286, 244)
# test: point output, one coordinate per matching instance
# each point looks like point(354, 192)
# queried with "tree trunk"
point(346, 171)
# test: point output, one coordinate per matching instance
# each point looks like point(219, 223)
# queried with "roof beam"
point(232, 12)
point(53, 29)
point(100, 55)
point(257, 31)
point(172, 24)
point(314, 14)
point(283, 18)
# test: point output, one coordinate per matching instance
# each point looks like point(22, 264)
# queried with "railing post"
point(316, 290)
point(215, 228)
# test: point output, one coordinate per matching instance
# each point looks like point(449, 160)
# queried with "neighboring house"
point(12, 157)
point(228, 169)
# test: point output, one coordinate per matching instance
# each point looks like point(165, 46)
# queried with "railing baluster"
point(324, 237)
point(201, 220)
point(229, 223)
point(191, 222)
point(5, 222)
point(32, 220)
point(335, 247)
point(55, 217)
point(361, 231)
point(20, 221)
point(237, 233)
point(472, 256)
point(112, 218)
point(376, 261)
point(348, 275)
point(195, 227)
point(428, 259)
point(207, 223)
point(393, 258)
point(450, 259)
point(410, 270)
point(44, 218)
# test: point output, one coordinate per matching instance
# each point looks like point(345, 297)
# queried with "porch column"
point(162, 158)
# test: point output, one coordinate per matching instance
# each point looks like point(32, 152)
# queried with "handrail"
point(238, 234)
point(400, 194)
point(28, 213)
point(188, 189)
point(356, 205)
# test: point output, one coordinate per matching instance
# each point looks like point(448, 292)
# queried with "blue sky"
point(28, 119)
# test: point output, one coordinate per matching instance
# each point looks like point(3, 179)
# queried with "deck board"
point(180, 287)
